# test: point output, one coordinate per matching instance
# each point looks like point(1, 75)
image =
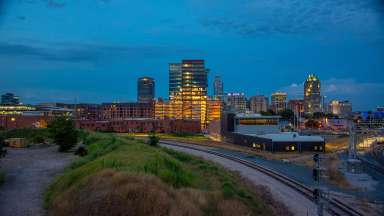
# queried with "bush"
point(63, 133)
point(153, 140)
point(2, 144)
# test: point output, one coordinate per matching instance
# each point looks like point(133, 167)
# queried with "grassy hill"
point(123, 176)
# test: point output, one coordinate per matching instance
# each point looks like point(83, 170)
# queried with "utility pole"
point(318, 193)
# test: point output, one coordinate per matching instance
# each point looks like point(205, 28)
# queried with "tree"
point(287, 115)
point(2, 144)
point(63, 132)
point(318, 115)
point(268, 113)
point(153, 140)
point(311, 123)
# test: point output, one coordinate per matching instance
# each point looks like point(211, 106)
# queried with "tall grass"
point(177, 170)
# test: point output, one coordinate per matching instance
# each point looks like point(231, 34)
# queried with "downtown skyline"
point(47, 55)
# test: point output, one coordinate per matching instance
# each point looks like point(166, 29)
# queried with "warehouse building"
point(264, 133)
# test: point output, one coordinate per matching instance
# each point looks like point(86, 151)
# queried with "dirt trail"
point(27, 174)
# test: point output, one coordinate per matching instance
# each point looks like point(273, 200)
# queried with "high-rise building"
point(296, 105)
point(175, 79)
point(278, 102)
point(259, 103)
point(218, 87)
point(188, 88)
point(10, 99)
point(312, 95)
point(340, 108)
point(145, 89)
point(194, 90)
point(236, 102)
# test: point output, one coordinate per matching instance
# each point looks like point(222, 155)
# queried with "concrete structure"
point(10, 99)
point(145, 90)
point(259, 103)
point(340, 108)
point(236, 102)
point(312, 95)
point(218, 87)
point(278, 102)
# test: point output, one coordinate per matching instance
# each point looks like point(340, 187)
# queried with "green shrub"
point(153, 140)
point(62, 131)
point(2, 178)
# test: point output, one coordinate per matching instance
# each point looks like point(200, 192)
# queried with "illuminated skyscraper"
point(194, 86)
point(279, 101)
point(145, 89)
point(188, 86)
point(175, 79)
point(312, 95)
point(218, 87)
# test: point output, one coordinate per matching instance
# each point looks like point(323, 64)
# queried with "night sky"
point(94, 50)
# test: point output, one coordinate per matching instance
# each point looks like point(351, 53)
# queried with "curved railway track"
point(336, 206)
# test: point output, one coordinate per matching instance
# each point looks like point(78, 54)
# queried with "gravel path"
point(296, 202)
point(27, 174)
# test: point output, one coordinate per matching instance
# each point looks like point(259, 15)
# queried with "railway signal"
point(317, 192)
point(316, 174)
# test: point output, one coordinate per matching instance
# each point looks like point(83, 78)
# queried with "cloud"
point(265, 17)
point(70, 52)
point(345, 89)
point(55, 3)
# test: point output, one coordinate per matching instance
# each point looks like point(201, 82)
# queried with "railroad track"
point(336, 206)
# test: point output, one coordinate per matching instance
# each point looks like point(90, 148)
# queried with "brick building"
point(141, 126)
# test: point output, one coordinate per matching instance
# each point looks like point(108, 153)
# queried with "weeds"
point(195, 185)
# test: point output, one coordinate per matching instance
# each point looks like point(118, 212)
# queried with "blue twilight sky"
point(94, 50)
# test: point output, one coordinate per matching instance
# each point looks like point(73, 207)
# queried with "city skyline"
point(45, 57)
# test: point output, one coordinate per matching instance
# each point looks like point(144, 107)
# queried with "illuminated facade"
point(15, 109)
point(188, 87)
point(296, 105)
point(279, 102)
point(122, 111)
point(194, 90)
point(214, 107)
point(312, 95)
point(340, 108)
point(236, 102)
point(145, 90)
point(259, 104)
